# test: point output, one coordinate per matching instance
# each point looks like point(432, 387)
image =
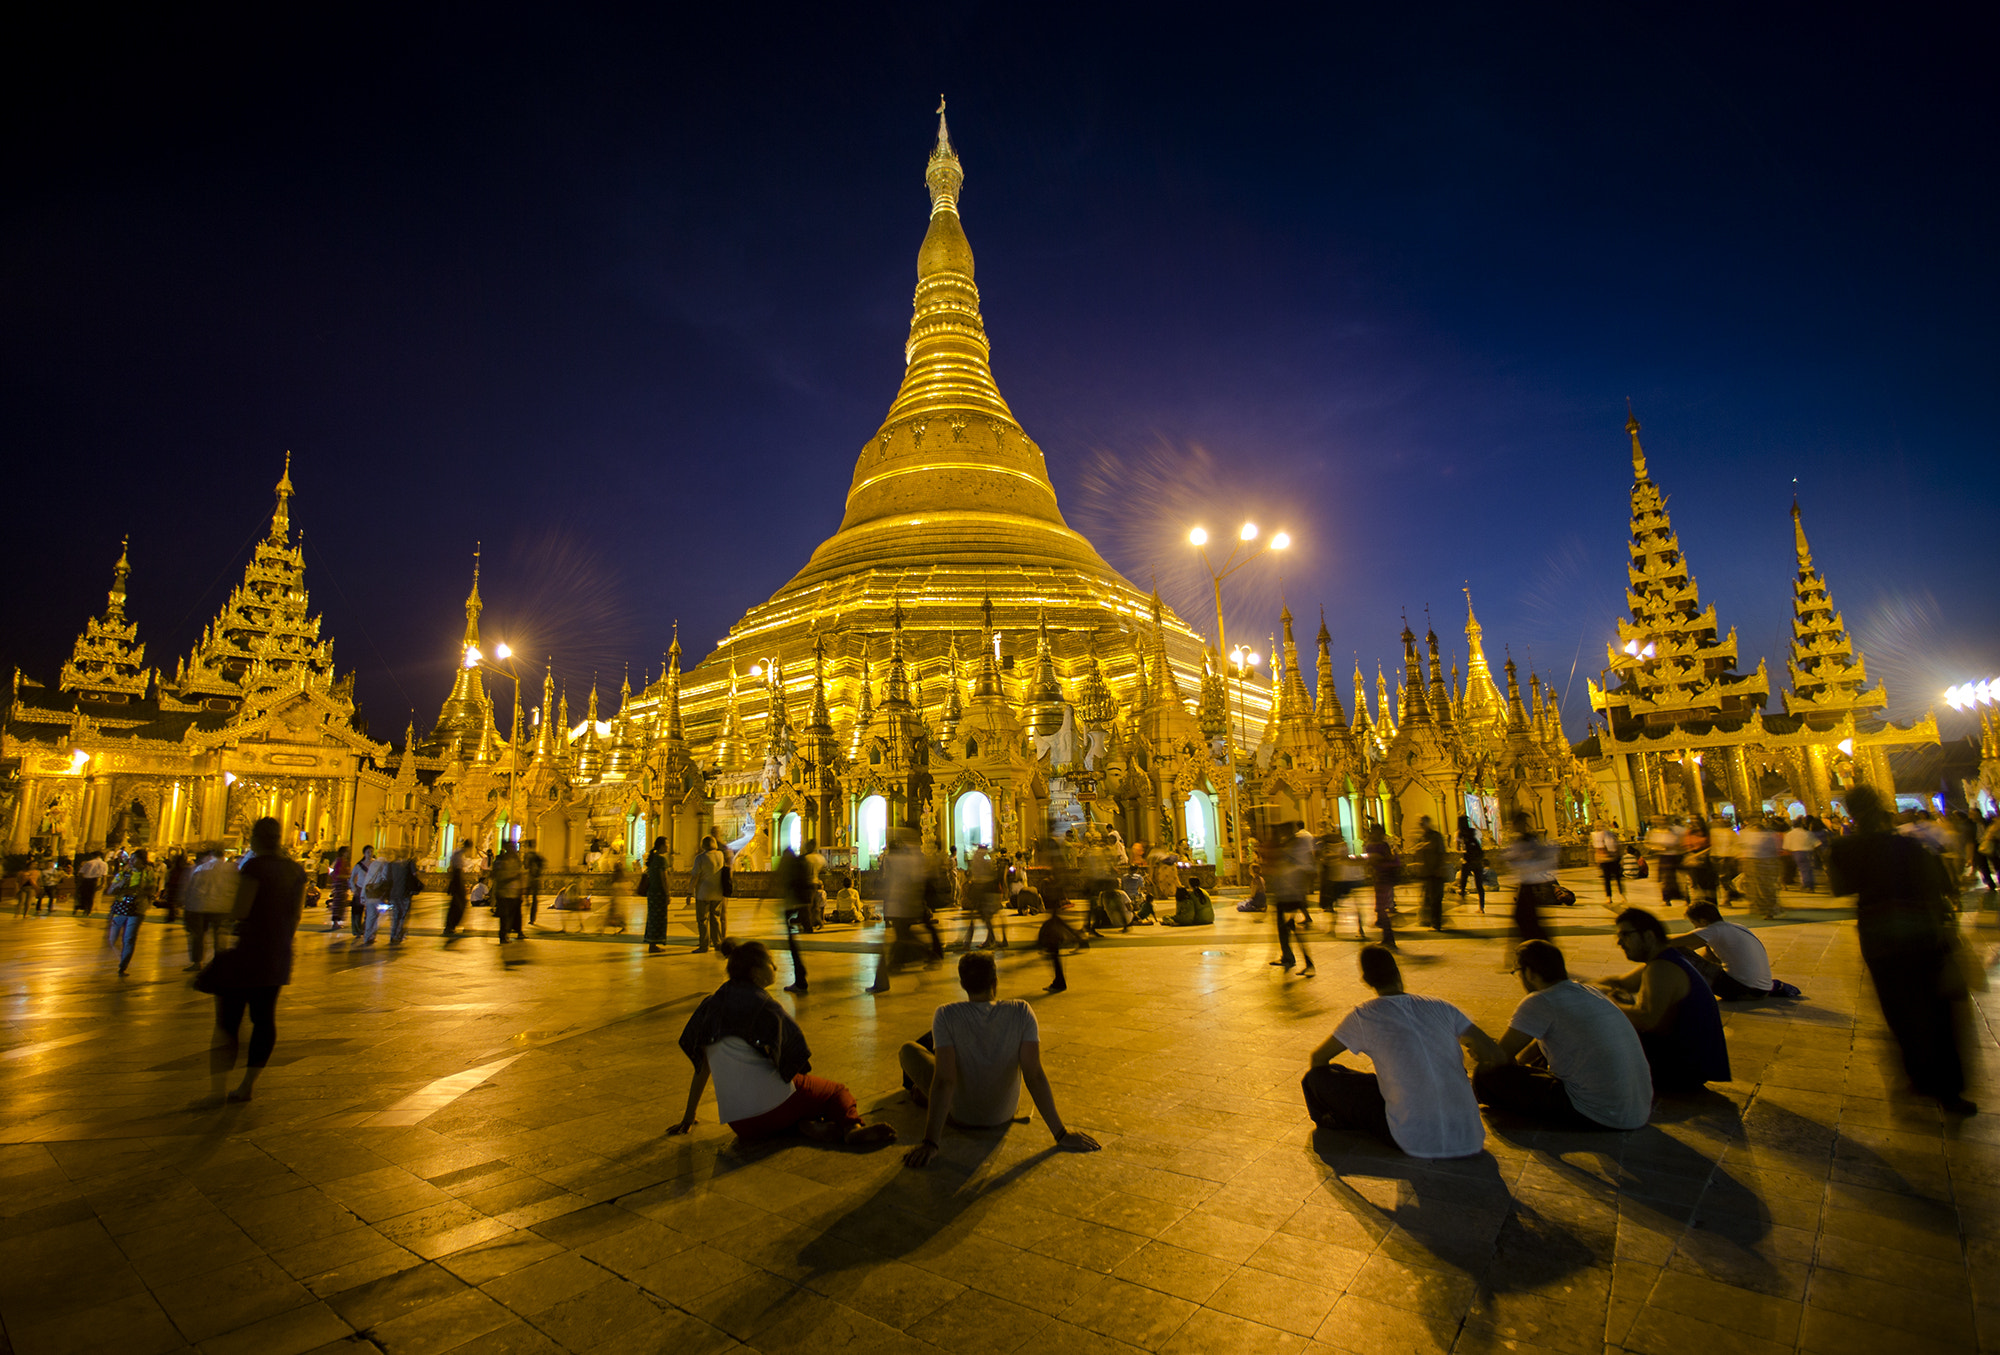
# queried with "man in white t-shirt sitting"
point(1418, 1097)
point(1572, 1058)
point(984, 1051)
point(1738, 968)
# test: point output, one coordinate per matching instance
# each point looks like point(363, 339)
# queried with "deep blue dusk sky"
point(623, 295)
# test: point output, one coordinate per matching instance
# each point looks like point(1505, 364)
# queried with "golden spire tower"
point(1674, 663)
point(1828, 674)
point(108, 661)
point(467, 714)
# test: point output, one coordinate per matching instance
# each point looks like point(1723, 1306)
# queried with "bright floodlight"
point(77, 758)
point(1199, 536)
point(1253, 658)
point(472, 656)
point(756, 670)
point(503, 651)
point(1249, 532)
point(1846, 746)
point(1281, 540)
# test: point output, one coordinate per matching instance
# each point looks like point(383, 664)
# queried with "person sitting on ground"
point(761, 1063)
point(1133, 883)
point(1736, 965)
point(1192, 907)
point(982, 1051)
point(1572, 1058)
point(1670, 1005)
point(1418, 1098)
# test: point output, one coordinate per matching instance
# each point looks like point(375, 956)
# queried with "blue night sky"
point(623, 295)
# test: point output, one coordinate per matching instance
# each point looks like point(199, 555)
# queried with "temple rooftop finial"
point(944, 174)
point(281, 520)
point(1799, 537)
point(1638, 452)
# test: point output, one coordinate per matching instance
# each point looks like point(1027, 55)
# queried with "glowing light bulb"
point(756, 670)
point(1281, 540)
point(1249, 532)
point(1846, 746)
point(502, 651)
point(1199, 536)
point(1254, 658)
point(472, 656)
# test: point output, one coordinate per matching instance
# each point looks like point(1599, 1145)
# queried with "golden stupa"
point(950, 508)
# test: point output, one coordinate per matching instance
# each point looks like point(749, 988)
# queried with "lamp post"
point(1240, 661)
point(1246, 537)
point(475, 659)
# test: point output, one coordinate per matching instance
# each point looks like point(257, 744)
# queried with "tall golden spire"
point(281, 520)
point(1799, 546)
point(950, 444)
point(675, 733)
point(473, 606)
point(1638, 452)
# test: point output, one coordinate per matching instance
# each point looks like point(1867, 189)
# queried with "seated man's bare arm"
point(1485, 1053)
point(1664, 986)
point(1036, 1080)
point(1515, 1043)
point(1330, 1049)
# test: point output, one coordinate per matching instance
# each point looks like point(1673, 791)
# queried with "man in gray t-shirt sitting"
point(984, 1050)
point(1572, 1057)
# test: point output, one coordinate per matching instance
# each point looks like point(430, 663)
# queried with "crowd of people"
point(1574, 1053)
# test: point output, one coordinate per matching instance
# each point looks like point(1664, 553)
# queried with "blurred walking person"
point(710, 904)
point(1534, 863)
point(457, 894)
point(1906, 909)
point(1608, 854)
point(1757, 855)
point(211, 902)
point(90, 873)
point(1289, 867)
point(1431, 871)
point(903, 878)
point(339, 881)
point(795, 891)
point(1471, 860)
point(1385, 867)
point(359, 879)
point(248, 975)
point(509, 879)
point(133, 890)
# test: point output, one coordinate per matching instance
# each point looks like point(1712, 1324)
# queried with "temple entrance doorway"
point(971, 823)
point(871, 831)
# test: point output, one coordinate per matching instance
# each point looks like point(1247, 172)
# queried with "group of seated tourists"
point(1574, 1055)
point(967, 1070)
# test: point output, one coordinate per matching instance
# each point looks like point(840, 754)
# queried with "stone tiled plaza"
point(461, 1148)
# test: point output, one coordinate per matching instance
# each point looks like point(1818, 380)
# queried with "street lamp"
point(505, 653)
point(1245, 535)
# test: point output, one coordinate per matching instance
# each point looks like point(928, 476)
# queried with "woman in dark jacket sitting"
point(760, 1062)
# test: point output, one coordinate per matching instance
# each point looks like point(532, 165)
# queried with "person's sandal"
point(868, 1135)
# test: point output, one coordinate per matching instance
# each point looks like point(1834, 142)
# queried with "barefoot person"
point(248, 975)
point(761, 1064)
point(1735, 962)
point(982, 1052)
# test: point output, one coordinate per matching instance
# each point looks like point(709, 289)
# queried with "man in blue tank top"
point(1671, 1006)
